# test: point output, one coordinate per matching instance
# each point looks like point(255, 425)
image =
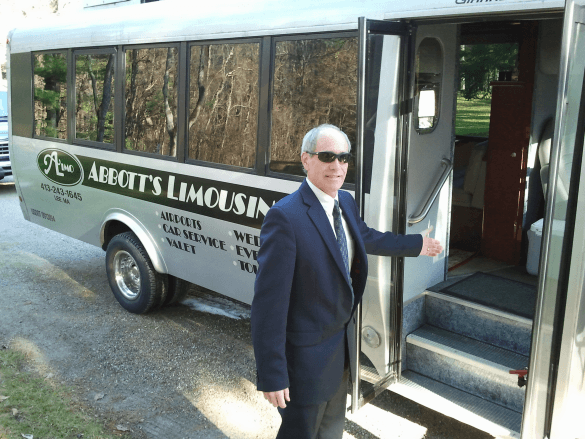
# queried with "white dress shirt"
point(328, 204)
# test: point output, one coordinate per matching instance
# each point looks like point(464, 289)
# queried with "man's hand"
point(277, 398)
point(431, 246)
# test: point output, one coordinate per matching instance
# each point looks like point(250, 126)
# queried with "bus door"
point(405, 111)
point(383, 84)
point(555, 391)
point(430, 152)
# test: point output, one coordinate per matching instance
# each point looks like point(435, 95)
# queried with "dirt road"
point(175, 373)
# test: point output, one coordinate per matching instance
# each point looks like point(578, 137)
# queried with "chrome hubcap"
point(127, 275)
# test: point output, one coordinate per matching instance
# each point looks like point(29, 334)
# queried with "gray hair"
point(311, 138)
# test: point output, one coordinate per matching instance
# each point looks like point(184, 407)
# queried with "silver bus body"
point(199, 221)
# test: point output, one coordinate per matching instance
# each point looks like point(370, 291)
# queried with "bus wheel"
point(133, 279)
point(177, 290)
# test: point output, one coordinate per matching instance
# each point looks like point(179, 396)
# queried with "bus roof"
point(177, 20)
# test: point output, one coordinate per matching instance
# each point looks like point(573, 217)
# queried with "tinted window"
point(315, 82)
point(223, 103)
point(429, 73)
point(151, 100)
point(50, 96)
point(94, 97)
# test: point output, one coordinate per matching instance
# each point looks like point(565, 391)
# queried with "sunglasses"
point(328, 156)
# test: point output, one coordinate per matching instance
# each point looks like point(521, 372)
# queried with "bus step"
point(479, 322)
point(469, 409)
point(467, 364)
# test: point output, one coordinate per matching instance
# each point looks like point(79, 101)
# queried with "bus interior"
point(463, 335)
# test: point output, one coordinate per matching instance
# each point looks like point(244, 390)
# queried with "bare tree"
point(101, 108)
point(170, 120)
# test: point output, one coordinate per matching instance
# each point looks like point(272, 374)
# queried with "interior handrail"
point(413, 219)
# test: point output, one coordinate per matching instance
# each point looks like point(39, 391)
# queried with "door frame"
point(405, 31)
point(559, 228)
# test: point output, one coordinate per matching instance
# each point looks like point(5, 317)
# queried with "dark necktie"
point(340, 234)
point(341, 239)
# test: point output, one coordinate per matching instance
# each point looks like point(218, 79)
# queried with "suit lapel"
point(319, 218)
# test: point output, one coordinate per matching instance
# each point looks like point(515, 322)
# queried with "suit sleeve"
point(387, 243)
point(276, 264)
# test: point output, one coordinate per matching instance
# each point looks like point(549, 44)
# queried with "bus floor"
point(480, 263)
point(487, 287)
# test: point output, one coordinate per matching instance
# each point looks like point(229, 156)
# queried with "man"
point(312, 273)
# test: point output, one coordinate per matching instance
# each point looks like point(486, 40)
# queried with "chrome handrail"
point(413, 219)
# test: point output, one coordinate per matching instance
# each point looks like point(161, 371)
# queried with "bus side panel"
point(22, 97)
point(21, 111)
point(67, 209)
point(203, 222)
point(215, 254)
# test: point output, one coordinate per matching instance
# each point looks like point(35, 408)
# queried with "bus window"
point(429, 70)
point(94, 97)
point(223, 103)
point(151, 100)
point(315, 82)
point(50, 95)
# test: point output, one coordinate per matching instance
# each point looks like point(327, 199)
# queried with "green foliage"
point(95, 64)
point(50, 99)
point(34, 407)
point(52, 66)
point(155, 106)
point(49, 131)
point(50, 92)
point(481, 63)
point(473, 117)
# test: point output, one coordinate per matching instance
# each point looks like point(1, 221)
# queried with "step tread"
point(467, 349)
point(478, 322)
point(462, 406)
point(516, 319)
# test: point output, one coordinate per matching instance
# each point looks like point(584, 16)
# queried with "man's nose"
point(336, 163)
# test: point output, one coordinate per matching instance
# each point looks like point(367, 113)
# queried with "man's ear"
point(305, 160)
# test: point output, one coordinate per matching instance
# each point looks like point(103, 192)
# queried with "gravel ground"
point(175, 373)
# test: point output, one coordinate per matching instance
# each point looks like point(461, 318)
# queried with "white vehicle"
point(5, 167)
point(164, 133)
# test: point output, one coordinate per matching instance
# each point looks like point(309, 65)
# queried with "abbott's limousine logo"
point(60, 167)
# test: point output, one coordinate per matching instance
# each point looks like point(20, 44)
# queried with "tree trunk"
point(106, 98)
point(171, 128)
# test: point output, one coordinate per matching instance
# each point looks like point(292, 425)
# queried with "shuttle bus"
point(163, 133)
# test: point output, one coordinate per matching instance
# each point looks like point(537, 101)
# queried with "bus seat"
point(472, 192)
point(544, 147)
point(564, 169)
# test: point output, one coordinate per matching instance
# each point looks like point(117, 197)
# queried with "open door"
point(383, 81)
point(405, 130)
point(551, 404)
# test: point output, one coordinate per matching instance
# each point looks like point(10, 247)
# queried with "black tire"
point(135, 283)
point(177, 290)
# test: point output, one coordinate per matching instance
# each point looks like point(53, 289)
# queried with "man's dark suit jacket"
point(302, 313)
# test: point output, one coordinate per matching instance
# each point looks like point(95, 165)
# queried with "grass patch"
point(473, 117)
point(29, 405)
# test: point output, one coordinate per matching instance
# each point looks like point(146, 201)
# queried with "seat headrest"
point(545, 142)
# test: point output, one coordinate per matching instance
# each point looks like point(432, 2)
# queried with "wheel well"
point(111, 229)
